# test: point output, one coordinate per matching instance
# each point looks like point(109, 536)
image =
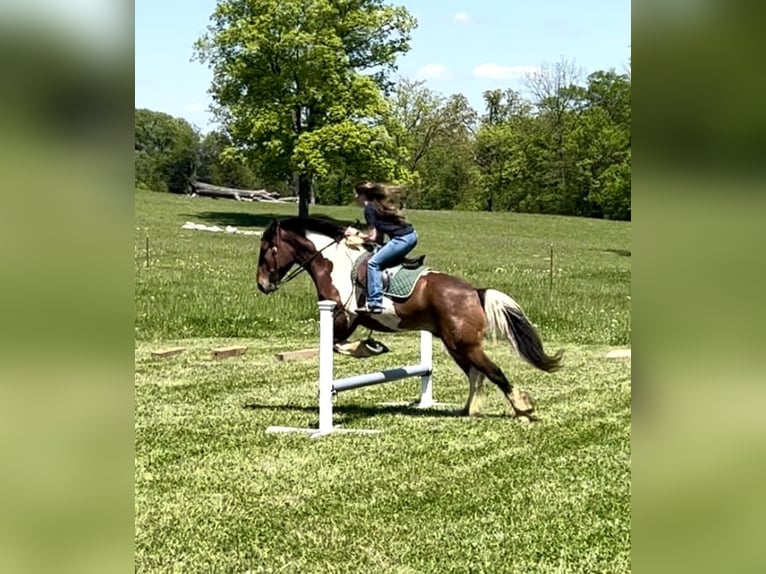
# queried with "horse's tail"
point(505, 317)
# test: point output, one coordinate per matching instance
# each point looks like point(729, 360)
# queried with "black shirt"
point(384, 227)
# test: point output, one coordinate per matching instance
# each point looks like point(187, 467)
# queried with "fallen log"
point(203, 189)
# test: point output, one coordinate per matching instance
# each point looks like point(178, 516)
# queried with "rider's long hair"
point(385, 199)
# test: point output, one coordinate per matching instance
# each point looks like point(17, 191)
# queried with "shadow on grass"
point(349, 413)
point(621, 252)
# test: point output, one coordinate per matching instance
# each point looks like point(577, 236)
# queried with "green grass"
point(432, 492)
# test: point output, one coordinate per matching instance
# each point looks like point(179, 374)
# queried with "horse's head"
point(288, 242)
point(276, 257)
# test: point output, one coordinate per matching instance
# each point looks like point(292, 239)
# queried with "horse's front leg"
point(343, 327)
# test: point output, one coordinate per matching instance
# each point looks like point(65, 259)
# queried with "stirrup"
point(364, 309)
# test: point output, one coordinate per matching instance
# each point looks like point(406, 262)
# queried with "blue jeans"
point(396, 248)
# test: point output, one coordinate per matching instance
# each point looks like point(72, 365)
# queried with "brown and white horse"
point(447, 306)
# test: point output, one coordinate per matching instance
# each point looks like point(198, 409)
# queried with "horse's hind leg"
point(476, 377)
point(519, 401)
point(475, 383)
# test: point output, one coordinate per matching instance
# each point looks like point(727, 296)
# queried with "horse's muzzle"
point(266, 287)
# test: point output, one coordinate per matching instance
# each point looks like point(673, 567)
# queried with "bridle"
point(302, 265)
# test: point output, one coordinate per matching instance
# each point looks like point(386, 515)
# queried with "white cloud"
point(195, 107)
point(461, 17)
point(433, 71)
point(496, 72)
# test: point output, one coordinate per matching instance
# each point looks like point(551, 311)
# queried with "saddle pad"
point(402, 280)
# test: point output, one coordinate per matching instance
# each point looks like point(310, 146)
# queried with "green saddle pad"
point(402, 281)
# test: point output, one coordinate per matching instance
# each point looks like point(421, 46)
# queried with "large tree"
point(298, 83)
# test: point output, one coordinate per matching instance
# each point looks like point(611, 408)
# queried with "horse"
point(453, 310)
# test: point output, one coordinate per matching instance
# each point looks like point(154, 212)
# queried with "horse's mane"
point(322, 225)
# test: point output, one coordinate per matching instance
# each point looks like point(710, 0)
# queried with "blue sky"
point(465, 46)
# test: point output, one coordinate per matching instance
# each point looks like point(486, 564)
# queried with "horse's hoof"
point(526, 418)
point(522, 401)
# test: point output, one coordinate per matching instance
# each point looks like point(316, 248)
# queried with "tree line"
point(303, 93)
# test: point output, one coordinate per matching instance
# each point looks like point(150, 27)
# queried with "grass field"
point(433, 492)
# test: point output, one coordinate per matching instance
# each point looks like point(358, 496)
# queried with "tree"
point(434, 133)
point(426, 117)
point(503, 106)
point(550, 85)
point(448, 176)
point(554, 90)
point(611, 92)
point(298, 83)
point(607, 147)
point(220, 164)
point(502, 148)
point(570, 154)
point(166, 151)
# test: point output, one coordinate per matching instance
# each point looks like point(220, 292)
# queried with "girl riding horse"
point(383, 218)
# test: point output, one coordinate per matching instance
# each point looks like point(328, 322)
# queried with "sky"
point(459, 46)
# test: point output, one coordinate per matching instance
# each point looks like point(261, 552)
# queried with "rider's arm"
point(370, 235)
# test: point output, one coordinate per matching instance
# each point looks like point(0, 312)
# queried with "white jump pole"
point(325, 366)
point(426, 380)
